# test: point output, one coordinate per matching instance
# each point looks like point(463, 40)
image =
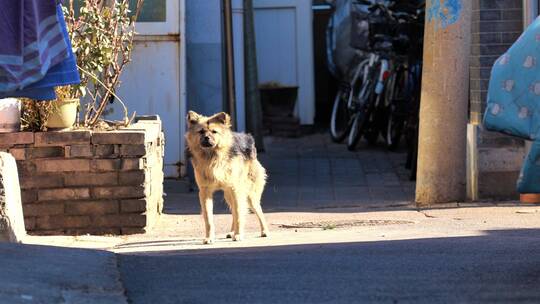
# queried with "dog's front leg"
point(241, 210)
point(229, 198)
point(207, 208)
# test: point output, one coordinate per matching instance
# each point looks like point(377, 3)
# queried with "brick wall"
point(79, 182)
point(496, 25)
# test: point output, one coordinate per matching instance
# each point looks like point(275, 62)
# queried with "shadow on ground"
point(48, 274)
point(500, 266)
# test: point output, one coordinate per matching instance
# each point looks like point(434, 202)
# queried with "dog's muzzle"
point(206, 142)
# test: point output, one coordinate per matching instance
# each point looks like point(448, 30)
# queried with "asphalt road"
point(49, 274)
point(502, 266)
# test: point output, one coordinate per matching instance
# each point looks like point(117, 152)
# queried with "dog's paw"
point(208, 241)
point(238, 237)
point(264, 234)
point(230, 235)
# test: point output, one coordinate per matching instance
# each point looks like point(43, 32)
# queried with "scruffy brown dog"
point(225, 160)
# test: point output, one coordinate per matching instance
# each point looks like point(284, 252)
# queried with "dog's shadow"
point(157, 243)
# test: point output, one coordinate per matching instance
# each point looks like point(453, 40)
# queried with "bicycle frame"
point(383, 73)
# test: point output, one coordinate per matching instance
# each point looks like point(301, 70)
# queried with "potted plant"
point(102, 35)
point(64, 109)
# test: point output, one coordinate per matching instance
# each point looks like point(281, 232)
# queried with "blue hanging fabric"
point(32, 42)
point(529, 179)
point(513, 102)
point(63, 73)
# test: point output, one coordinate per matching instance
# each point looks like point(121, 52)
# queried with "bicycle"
point(366, 90)
point(406, 81)
point(366, 105)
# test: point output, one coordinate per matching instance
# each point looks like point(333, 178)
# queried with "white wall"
point(154, 82)
point(284, 37)
point(151, 86)
point(204, 56)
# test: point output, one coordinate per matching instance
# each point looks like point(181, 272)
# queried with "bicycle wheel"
point(357, 129)
point(361, 99)
point(397, 97)
point(340, 121)
point(376, 123)
point(394, 131)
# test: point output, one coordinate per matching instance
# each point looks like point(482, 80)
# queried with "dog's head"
point(208, 133)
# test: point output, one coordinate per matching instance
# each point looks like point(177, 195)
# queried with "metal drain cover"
point(345, 224)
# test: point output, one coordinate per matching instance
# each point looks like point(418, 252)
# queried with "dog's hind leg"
point(207, 208)
point(229, 198)
point(255, 204)
point(240, 207)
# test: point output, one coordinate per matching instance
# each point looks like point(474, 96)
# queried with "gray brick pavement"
point(312, 172)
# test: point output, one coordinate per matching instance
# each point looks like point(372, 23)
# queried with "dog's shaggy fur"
point(225, 160)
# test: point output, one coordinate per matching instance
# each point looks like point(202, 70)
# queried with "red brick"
point(29, 223)
point(91, 179)
point(63, 194)
point(133, 205)
point(18, 153)
point(133, 150)
point(126, 231)
point(45, 152)
point(136, 177)
point(28, 196)
point(26, 167)
point(63, 165)
point(101, 165)
point(93, 231)
point(42, 181)
point(62, 222)
point(62, 138)
point(48, 232)
point(16, 138)
point(92, 207)
point(79, 151)
point(106, 150)
point(43, 209)
point(120, 220)
point(118, 137)
point(132, 164)
point(117, 192)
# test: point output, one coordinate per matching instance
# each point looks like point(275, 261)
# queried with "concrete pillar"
point(444, 103)
point(11, 213)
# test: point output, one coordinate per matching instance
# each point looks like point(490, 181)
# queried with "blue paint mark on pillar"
point(444, 12)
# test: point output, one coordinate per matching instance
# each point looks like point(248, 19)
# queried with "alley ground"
point(343, 231)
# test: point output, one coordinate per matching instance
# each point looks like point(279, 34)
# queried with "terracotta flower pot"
point(64, 114)
point(530, 198)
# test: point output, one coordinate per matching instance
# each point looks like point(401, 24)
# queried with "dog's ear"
point(192, 118)
point(222, 118)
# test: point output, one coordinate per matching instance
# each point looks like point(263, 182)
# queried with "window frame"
point(171, 25)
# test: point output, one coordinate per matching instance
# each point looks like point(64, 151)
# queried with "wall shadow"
point(50, 274)
point(500, 266)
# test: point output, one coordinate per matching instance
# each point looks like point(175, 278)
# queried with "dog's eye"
point(201, 131)
point(214, 132)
